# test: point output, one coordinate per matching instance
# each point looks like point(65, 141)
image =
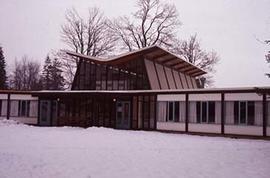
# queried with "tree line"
point(154, 22)
point(29, 75)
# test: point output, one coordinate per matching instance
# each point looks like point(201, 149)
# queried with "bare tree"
point(90, 36)
point(267, 57)
point(26, 75)
point(153, 23)
point(192, 52)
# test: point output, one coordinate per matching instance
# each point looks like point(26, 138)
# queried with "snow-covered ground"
point(28, 151)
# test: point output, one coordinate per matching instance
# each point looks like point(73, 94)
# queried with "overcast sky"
point(232, 28)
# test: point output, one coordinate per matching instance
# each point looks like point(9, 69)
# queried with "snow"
point(29, 151)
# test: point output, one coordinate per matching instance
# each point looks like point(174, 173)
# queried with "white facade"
point(23, 108)
point(242, 113)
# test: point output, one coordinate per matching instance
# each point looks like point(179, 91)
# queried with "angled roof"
point(154, 53)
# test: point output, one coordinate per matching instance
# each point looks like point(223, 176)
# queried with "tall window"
point(173, 111)
point(205, 111)
point(244, 112)
point(0, 107)
point(24, 107)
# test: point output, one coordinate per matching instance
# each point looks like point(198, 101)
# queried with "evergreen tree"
point(56, 73)
point(52, 78)
point(3, 75)
point(46, 73)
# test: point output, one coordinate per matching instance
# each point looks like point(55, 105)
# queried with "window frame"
point(238, 119)
point(1, 107)
point(200, 118)
point(173, 111)
point(25, 113)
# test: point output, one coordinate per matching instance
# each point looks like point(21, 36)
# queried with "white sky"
point(230, 27)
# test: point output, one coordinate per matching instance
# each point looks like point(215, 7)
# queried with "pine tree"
point(3, 75)
point(46, 73)
point(52, 78)
point(56, 73)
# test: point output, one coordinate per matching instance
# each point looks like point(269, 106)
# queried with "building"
point(148, 89)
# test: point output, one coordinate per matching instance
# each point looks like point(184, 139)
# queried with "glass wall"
point(171, 111)
point(23, 108)
point(243, 112)
point(130, 76)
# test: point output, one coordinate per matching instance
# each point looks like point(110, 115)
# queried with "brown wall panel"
point(184, 81)
point(170, 77)
point(190, 84)
point(150, 69)
point(162, 77)
point(194, 82)
point(177, 80)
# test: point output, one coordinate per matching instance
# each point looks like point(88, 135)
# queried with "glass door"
point(123, 115)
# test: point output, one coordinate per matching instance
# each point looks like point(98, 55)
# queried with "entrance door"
point(45, 113)
point(48, 112)
point(123, 115)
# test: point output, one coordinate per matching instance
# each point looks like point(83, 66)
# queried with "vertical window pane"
point(176, 111)
point(198, 111)
point(170, 115)
point(236, 112)
point(204, 111)
point(251, 113)
point(0, 107)
point(23, 108)
point(242, 112)
point(211, 112)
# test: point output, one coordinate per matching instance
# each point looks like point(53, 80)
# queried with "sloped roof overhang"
point(154, 53)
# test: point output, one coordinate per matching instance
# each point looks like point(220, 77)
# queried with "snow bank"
point(6, 122)
point(28, 151)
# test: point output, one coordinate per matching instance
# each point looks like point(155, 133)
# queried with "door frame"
point(121, 126)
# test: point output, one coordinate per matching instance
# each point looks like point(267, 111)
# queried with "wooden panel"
point(162, 77)
point(194, 82)
point(177, 80)
point(189, 81)
point(150, 69)
point(184, 81)
point(170, 77)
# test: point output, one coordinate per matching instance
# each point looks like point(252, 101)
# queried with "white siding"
point(206, 128)
point(242, 97)
point(176, 97)
point(3, 96)
point(204, 97)
point(25, 120)
point(243, 130)
point(171, 126)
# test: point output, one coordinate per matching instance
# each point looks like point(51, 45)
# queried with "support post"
point(8, 106)
point(187, 112)
point(155, 114)
point(222, 113)
point(264, 112)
